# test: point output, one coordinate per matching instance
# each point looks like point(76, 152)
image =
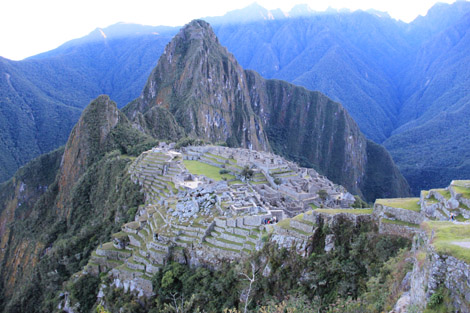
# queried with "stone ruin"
point(201, 220)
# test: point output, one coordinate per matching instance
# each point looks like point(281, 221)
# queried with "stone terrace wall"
point(437, 270)
point(382, 211)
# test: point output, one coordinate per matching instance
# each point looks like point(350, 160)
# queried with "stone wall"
point(382, 211)
point(439, 270)
point(398, 230)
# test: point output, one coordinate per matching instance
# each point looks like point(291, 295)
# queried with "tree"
point(247, 172)
point(251, 280)
point(323, 194)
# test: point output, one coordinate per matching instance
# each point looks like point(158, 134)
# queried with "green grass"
point(402, 223)
point(461, 183)
point(460, 218)
point(236, 181)
point(447, 232)
point(213, 159)
point(120, 235)
point(463, 190)
point(350, 211)
point(285, 223)
point(218, 247)
point(235, 235)
point(431, 200)
point(401, 203)
point(300, 218)
point(445, 193)
point(216, 156)
point(313, 206)
point(259, 182)
point(110, 247)
point(200, 168)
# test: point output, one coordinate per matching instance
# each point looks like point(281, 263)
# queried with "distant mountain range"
point(404, 84)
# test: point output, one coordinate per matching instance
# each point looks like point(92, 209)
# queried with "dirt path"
point(463, 244)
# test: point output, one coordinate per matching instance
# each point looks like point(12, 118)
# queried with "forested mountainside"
point(42, 98)
point(393, 78)
point(57, 209)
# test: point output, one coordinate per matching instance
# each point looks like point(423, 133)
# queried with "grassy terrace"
point(214, 156)
point(463, 190)
point(402, 223)
point(461, 183)
point(431, 200)
point(300, 218)
point(200, 168)
point(401, 203)
point(218, 247)
point(443, 192)
point(350, 211)
point(445, 236)
point(285, 223)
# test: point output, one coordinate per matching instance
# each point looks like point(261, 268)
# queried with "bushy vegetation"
point(363, 266)
point(100, 201)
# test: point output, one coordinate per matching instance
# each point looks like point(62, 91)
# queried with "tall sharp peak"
point(196, 30)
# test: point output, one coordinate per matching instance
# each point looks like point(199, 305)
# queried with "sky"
point(29, 27)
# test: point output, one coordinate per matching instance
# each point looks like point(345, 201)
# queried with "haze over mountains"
point(404, 84)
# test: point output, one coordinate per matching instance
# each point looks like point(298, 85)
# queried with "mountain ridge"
point(271, 47)
point(201, 87)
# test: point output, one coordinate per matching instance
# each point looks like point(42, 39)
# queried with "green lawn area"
point(401, 203)
point(447, 232)
point(200, 168)
point(350, 211)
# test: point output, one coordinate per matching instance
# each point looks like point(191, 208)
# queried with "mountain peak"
point(85, 141)
point(196, 30)
point(200, 86)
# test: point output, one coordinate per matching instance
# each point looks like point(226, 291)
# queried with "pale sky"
point(29, 27)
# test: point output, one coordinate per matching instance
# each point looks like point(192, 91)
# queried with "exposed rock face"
point(204, 88)
point(85, 142)
point(199, 90)
point(436, 271)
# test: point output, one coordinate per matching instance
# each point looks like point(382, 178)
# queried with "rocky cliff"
point(198, 89)
point(204, 88)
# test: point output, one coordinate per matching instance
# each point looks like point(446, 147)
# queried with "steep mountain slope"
point(199, 88)
point(336, 54)
point(430, 141)
point(202, 86)
point(41, 98)
point(58, 208)
point(31, 121)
